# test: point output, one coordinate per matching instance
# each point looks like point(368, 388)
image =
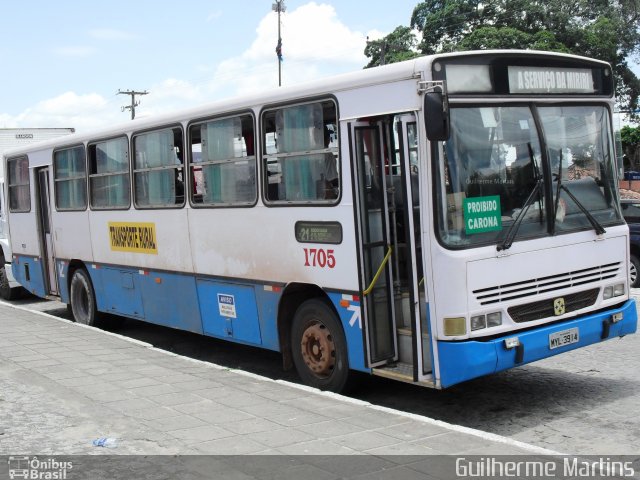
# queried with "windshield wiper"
point(560, 186)
point(515, 226)
point(592, 220)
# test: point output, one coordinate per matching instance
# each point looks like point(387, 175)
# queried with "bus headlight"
point(613, 291)
point(455, 326)
point(494, 319)
point(489, 320)
point(478, 322)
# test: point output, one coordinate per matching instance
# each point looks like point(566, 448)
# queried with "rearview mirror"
point(436, 113)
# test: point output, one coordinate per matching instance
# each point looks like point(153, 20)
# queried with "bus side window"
point(70, 175)
point(301, 153)
point(158, 168)
point(19, 184)
point(223, 162)
point(109, 174)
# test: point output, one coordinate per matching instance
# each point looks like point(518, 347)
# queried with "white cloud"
point(315, 44)
point(110, 34)
point(213, 16)
point(66, 110)
point(171, 94)
point(74, 51)
point(314, 40)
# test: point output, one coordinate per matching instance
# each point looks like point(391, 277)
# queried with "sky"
point(63, 62)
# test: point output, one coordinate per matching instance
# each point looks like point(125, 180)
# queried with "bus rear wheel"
point(6, 292)
point(319, 347)
point(83, 299)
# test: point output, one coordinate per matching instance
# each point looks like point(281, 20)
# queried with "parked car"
point(631, 213)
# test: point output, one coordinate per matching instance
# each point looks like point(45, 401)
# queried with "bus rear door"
point(44, 224)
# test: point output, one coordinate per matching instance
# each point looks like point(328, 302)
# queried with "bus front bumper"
point(460, 361)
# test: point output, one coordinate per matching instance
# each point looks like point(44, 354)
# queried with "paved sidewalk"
point(62, 385)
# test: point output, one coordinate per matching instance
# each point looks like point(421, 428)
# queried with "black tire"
point(634, 270)
point(82, 299)
point(319, 347)
point(6, 292)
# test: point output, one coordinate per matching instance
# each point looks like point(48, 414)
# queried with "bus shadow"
point(506, 403)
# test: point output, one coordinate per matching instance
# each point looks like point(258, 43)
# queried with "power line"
point(134, 104)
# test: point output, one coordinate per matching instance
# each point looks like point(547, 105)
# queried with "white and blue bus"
point(430, 221)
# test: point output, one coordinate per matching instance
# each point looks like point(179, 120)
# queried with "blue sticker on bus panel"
point(460, 361)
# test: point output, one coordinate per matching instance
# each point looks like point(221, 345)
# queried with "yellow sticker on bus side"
point(133, 237)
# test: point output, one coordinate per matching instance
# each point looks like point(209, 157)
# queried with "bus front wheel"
point(83, 299)
point(318, 346)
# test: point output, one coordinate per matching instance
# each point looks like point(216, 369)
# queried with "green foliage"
point(606, 30)
point(485, 38)
point(399, 45)
point(630, 137)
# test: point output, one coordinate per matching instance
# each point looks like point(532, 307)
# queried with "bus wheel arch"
point(308, 325)
point(319, 347)
point(294, 295)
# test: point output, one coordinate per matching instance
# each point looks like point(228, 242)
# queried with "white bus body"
point(12, 138)
point(418, 259)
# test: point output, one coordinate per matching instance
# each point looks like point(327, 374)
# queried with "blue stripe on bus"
point(35, 282)
point(205, 305)
point(460, 361)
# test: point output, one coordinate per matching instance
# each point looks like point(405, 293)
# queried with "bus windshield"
point(525, 171)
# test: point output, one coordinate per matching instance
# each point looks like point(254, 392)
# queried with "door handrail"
point(375, 277)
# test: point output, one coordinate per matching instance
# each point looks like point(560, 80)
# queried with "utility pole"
point(134, 104)
point(279, 7)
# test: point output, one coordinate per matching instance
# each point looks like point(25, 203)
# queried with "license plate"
point(565, 337)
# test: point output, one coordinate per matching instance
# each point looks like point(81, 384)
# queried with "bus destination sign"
point(319, 232)
point(550, 80)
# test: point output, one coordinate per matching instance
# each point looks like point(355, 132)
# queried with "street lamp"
point(279, 7)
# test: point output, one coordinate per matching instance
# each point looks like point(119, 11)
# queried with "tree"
point(631, 146)
point(399, 45)
point(606, 30)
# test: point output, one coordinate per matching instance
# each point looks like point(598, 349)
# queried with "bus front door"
point(385, 152)
point(44, 224)
point(375, 242)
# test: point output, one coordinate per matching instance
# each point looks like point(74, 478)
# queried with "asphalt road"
point(583, 402)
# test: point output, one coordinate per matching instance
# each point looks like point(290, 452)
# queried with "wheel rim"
point(633, 274)
point(318, 349)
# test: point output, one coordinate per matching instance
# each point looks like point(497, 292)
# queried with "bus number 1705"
point(319, 257)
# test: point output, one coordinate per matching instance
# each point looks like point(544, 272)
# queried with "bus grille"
point(544, 308)
point(536, 286)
